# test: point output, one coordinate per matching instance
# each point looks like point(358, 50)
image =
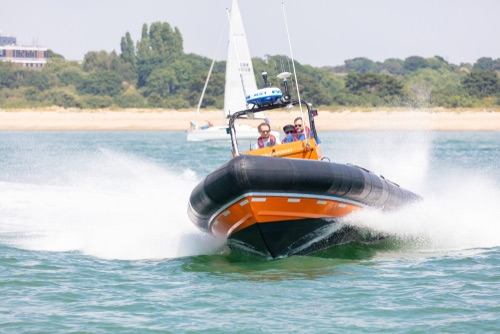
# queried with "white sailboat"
point(240, 81)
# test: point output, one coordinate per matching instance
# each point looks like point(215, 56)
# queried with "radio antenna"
point(293, 62)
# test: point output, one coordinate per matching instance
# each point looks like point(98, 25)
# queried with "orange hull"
point(264, 208)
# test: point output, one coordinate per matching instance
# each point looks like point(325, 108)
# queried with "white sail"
point(239, 75)
point(234, 96)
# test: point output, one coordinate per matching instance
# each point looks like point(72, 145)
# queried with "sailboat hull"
point(212, 133)
point(220, 133)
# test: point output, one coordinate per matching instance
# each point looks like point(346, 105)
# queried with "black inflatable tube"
point(246, 173)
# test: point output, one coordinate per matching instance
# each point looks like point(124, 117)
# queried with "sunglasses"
point(288, 132)
point(298, 125)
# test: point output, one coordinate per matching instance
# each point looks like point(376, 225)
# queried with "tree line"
point(155, 72)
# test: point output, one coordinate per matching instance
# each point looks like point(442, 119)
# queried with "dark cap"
point(288, 127)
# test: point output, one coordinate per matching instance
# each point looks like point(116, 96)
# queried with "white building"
point(32, 57)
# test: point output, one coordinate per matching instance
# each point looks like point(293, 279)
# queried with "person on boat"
point(288, 129)
point(301, 132)
point(266, 139)
point(207, 125)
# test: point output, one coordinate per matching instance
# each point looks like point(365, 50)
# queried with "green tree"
point(61, 97)
point(71, 77)
point(415, 63)
point(105, 83)
point(52, 55)
point(39, 80)
point(128, 50)
point(158, 47)
point(165, 41)
point(162, 82)
point(145, 66)
point(128, 65)
point(102, 61)
point(381, 85)
point(393, 66)
point(130, 99)
point(7, 76)
point(481, 83)
point(96, 61)
point(184, 72)
point(437, 79)
point(96, 101)
point(214, 94)
point(156, 101)
point(484, 64)
point(437, 63)
point(32, 95)
point(360, 65)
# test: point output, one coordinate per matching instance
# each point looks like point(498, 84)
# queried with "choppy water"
point(94, 238)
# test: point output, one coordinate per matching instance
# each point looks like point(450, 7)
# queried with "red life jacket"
point(306, 132)
point(260, 141)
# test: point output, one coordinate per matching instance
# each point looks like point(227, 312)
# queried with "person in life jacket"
point(301, 132)
point(266, 138)
point(288, 130)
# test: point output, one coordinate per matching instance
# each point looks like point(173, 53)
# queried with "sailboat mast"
point(208, 77)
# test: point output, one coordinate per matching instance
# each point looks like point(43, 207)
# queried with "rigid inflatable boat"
point(286, 199)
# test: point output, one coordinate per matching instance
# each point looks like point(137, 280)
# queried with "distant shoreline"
point(171, 120)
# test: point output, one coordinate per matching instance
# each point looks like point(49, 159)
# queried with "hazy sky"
point(323, 32)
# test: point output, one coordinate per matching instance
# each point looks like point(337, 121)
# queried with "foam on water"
point(460, 207)
point(402, 157)
point(112, 206)
point(119, 206)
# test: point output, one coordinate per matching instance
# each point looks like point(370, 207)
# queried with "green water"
point(94, 238)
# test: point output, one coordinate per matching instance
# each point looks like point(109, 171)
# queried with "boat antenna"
point(237, 56)
point(276, 67)
point(208, 76)
point(289, 68)
point(264, 76)
point(293, 62)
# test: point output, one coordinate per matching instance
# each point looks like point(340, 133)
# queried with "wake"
point(111, 206)
point(117, 206)
point(459, 210)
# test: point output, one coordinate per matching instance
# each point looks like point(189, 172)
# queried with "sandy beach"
point(179, 120)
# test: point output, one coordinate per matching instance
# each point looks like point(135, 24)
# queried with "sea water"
point(94, 238)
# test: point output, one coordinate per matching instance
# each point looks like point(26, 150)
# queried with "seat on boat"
point(303, 149)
